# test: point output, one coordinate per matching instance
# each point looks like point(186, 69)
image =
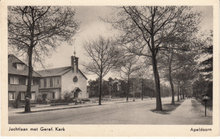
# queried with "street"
point(138, 112)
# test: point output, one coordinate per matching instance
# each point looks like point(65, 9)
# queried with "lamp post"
point(205, 99)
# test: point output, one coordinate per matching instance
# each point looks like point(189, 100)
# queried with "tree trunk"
point(155, 70)
point(172, 89)
point(128, 91)
point(110, 90)
point(170, 78)
point(178, 95)
point(134, 96)
point(183, 95)
point(30, 68)
point(30, 71)
point(142, 89)
point(157, 83)
point(100, 89)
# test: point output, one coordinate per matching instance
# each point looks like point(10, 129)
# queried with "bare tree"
point(184, 79)
point(149, 28)
point(172, 61)
point(128, 68)
point(34, 30)
point(104, 56)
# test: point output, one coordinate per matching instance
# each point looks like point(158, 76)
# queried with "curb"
point(67, 107)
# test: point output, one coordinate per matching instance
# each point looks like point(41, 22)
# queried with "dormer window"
point(19, 66)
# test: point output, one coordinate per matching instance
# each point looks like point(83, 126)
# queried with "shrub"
point(85, 99)
point(39, 99)
point(68, 97)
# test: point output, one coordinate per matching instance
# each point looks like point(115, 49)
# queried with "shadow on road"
point(168, 108)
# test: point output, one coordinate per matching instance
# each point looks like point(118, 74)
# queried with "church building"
point(56, 82)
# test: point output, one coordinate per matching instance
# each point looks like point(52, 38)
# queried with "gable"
point(83, 74)
point(17, 67)
point(79, 73)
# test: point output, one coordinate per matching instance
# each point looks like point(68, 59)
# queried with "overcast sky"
point(91, 27)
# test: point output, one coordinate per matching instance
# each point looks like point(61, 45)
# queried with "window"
point(51, 82)
point(22, 95)
point(22, 80)
point(56, 81)
point(41, 83)
point(32, 95)
point(20, 66)
point(45, 82)
point(53, 95)
point(11, 95)
point(48, 82)
point(36, 81)
point(14, 80)
point(26, 83)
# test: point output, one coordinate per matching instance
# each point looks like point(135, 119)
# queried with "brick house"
point(17, 81)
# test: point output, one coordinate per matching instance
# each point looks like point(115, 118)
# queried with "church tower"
point(74, 62)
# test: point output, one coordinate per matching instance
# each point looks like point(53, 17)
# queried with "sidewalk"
point(49, 108)
point(191, 112)
point(41, 108)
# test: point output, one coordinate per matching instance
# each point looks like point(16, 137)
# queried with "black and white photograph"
point(110, 65)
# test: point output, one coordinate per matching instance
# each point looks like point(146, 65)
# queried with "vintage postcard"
point(109, 68)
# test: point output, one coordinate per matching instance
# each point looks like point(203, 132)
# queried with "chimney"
point(74, 63)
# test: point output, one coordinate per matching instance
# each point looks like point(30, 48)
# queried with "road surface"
point(138, 112)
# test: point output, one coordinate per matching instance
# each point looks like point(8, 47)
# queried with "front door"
point(44, 97)
point(76, 94)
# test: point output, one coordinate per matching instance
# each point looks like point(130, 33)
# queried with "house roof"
point(54, 71)
point(57, 72)
point(12, 70)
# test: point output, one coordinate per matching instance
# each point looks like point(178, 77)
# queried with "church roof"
point(54, 71)
point(57, 72)
point(12, 60)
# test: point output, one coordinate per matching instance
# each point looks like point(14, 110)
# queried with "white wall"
point(68, 84)
point(57, 94)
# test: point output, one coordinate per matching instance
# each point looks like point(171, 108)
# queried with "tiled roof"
point(54, 71)
point(12, 70)
point(57, 72)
